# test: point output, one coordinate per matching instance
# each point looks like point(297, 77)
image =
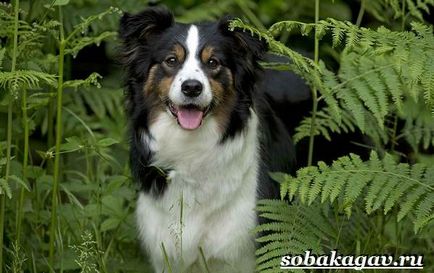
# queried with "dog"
point(203, 140)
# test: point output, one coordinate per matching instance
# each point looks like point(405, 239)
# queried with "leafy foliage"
point(378, 71)
point(381, 80)
point(382, 184)
point(381, 9)
point(24, 79)
point(324, 125)
point(292, 229)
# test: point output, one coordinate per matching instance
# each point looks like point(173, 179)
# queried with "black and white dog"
point(203, 140)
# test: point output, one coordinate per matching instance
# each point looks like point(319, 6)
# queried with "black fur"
point(146, 36)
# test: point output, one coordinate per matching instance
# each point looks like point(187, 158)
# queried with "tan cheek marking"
point(179, 52)
point(207, 52)
point(158, 99)
point(150, 80)
point(217, 90)
point(164, 87)
point(156, 92)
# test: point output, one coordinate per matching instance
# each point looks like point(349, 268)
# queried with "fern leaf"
point(92, 79)
point(376, 185)
point(301, 228)
point(393, 83)
point(427, 81)
point(413, 10)
point(337, 34)
point(349, 178)
point(5, 188)
point(305, 184)
point(317, 184)
point(395, 194)
point(83, 26)
point(354, 190)
point(25, 79)
point(77, 44)
point(326, 124)
point(419, 125)
point(424, 212)
point(409, 203)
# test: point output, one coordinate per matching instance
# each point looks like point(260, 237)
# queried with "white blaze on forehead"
point(192, 42)
point(191, 70)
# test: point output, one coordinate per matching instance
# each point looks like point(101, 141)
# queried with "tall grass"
point(59, 124)
point(9, 132)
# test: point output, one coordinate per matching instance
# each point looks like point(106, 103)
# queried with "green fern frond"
point(422, 29)
point(82, 28)
point(418, 130)
point(379, 181)
point(325, 124)
point(379, 68)
point(304, 64)
point(93, 79)
point(5, 188)
point(31, 35)
point(413, 8)
point(292, 229)
point(24, 79)
point(77, 44)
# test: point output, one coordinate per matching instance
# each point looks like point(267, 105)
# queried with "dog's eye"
point(171, 61)
point(213, 63)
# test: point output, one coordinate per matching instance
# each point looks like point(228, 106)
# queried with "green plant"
point(87, 254)
point(384, 78)
point(29, 48)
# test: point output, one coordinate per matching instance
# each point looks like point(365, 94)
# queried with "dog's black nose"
point(191, 88)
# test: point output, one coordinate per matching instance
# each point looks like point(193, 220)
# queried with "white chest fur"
point(209, 203)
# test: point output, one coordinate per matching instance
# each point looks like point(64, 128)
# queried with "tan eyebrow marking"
point(206, 54)
point(179, 52)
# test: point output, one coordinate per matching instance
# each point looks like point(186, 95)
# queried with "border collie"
point(203, 140)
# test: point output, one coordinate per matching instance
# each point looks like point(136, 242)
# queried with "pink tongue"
point(189, 119)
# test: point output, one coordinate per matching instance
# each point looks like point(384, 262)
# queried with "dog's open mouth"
point(189, 116)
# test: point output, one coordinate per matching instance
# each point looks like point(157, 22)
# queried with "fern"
point(413, 8)
point(31, 35)
point(325, 125)
point(78, 38)
point(5, 188)
point(303, 63)
point(380, 182)
point(380, 70)
point(24, 79)
point(92, 79)
point(85, 23)
point(292, 229)
point(418, 130)
point(295, 228)
point(78, 44)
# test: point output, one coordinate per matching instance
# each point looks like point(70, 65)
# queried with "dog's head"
point(190, 71)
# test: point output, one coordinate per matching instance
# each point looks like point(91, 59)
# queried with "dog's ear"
point(138, 27)
point(245, 40)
